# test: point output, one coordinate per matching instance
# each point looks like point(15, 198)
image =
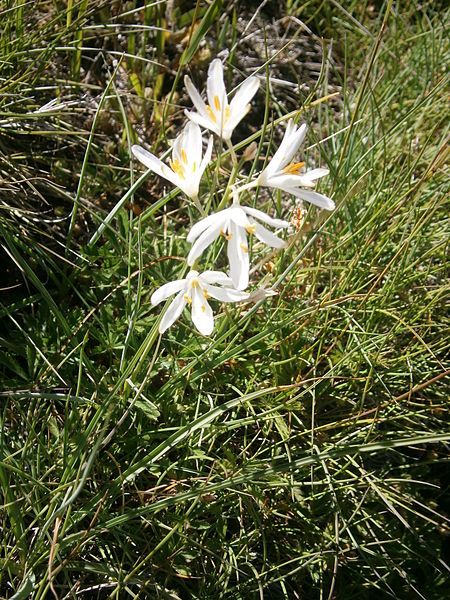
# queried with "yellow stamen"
point(194, 283)
point(203, 307)
point(187, 298)
point(177, 168)
point(211, 114)
point(183, 156)
point(244, 248)
point(250, 229)
point(227, 236)
point(293, 168)
point(227, 113)
point(206, 294)
point(194, 166)
point(217, 102)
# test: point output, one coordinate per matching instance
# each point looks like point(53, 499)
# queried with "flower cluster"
point(235, 223)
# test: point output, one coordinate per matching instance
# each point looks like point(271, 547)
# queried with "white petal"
point(190, 187)
point(240, 105)
point(173, 312)
point(286, 183)
point(290, 144)
point(177, 145)
point(193, 274)
point(215, 277)
point(197, 100)
point(203, 224)
point(203, 121)
point(193, 144)
point(257, 214)
point(203, 241)
point(154, 164)
point(225, 294)
point(314, 174)
point(291, 129)
point(287, 180)
point(202, 315)
point(295, 141)
point(190, 141)
point(167, 290)
point(238, 257)
point(215, 87)
point(274, 164)
point(148, 159)
point(234, 119)
point(244, 94)
point(307, 180)
point(238, 216)
point(268, 237)
point(315, 198)
point(206, 157)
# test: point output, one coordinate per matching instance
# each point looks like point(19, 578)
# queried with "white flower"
point(195, 290)
point(187, 166)
point(285, 175)
point(220, 116)
point(234, 223)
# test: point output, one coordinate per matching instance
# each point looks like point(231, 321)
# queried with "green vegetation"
point(302, 450)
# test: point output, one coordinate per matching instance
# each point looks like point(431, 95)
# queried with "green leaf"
point(26, 588)
point(149, 409)
point(200, 32)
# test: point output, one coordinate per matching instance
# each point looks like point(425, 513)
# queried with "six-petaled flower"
point(234, 224)
point(283, 174)
point(194, 291)
point(218, 115)
point(187, 164)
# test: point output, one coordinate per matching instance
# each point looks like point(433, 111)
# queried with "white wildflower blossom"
point(219, 115)
point(187, 164)
point(194, 291)
point(289, 176)
point(234, 224)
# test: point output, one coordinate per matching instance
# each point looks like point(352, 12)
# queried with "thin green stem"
point(233, 154)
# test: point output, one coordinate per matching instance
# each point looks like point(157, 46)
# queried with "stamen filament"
point(177, 168)
point(211, 114)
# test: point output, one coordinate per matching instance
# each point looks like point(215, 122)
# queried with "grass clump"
point(302, 451)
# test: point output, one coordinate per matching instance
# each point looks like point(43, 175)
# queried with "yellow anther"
point(194, 166)
point(244, 248)
point(187, 298)
point(203, 307)
point(293, 168)
point(183, 156)
point(250, 229)
point(227, 236)
point(227, 113)
point(177, 168)
point(217, 102)
point(211, 114)
point(206, 294)
point(194, 283)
